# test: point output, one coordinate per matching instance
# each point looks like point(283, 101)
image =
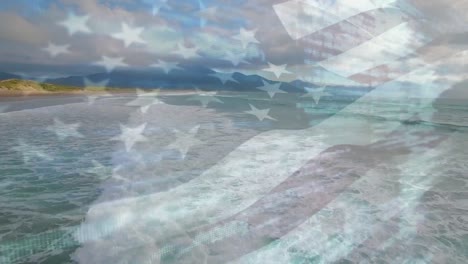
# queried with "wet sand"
point(11, 101)
point(7, 93)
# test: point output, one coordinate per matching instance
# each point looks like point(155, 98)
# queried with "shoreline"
point(112, 92)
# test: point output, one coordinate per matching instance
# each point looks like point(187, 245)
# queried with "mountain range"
point(186, 77)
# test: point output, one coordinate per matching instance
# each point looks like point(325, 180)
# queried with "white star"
point(184, 141)
point(89, 85)
point(205, 98)
point(167, 67)
point(261, 114)
point(92, 99)
point(75, 24)
point(63, 130)
point(235, 59)
point(129, 35)
point(224, 77)
point(30, 152)
point(271, 88)
point(110, 63)
point(145, 100)
point(316, 93)
point(55, 50)
point(41, 78)
point(246, 37)
point(277, 70)
point(158, 6)
point(143, 93)
point(130, 136)
point(185, 52)
point(154, 101)
point(92, 84)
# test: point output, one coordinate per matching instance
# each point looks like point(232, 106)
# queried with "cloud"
point(161, 34)
point(443, 20)
point(17, 29)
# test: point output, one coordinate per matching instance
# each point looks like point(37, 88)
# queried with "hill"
point(32, 86)
point(22, 87)
point(27, 87)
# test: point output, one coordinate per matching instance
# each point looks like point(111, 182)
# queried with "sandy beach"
point(112, 91)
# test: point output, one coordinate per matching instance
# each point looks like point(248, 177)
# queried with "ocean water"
point(381, 181)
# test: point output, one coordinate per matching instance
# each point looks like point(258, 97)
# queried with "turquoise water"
point(88, 199)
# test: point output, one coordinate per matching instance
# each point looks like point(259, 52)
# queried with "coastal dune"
point(27, 87)
point(17, 87)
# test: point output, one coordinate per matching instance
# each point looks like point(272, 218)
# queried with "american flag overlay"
point(233, 131)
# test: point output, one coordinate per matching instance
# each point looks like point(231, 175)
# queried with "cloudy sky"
point(78, 37)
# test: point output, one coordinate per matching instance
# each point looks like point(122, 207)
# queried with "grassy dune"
point(16, 87)
point(27, 87)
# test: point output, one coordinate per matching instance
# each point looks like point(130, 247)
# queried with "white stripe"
point(303, 17)
point(393, 44)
